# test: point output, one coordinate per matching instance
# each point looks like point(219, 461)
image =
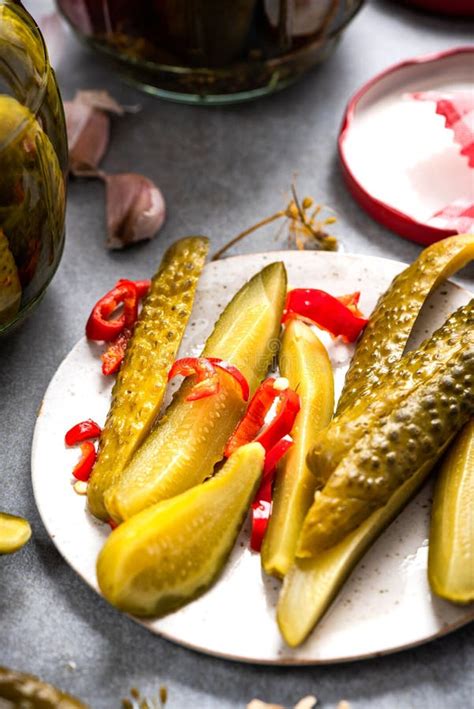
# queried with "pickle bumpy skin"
point(385, 337)
point(413, 435)
point(342, 434)
point(141, 382)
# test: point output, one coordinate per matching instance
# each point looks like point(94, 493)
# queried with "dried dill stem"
point(305, 228)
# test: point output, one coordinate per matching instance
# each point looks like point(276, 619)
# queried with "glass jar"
point(211, 50)
point(33, 159)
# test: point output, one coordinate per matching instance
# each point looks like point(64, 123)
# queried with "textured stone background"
point(220, 169)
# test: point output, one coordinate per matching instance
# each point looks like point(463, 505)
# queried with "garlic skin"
point(136, 209)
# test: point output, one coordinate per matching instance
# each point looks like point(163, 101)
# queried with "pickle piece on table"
point(141, 382)
point(191, 436)
point(26, 691)
point(451, 547)
point(414, 434)
point(304, 361)
point(14, 533)
point(170, 553)
point(10, 286)
point(344, 431)
point(384, 339)
point(311, 585)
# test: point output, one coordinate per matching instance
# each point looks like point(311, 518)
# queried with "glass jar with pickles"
point(33, 158)
point(211, 50)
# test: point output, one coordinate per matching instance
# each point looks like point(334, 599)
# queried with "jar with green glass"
point(33, 159)
point(214, 51)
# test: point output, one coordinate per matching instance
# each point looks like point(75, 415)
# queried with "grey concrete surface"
point(220, 170)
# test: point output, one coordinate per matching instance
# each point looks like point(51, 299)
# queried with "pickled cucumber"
point(28, 692)
point(141, 382)
point(14, 533)
point(10, 286)
point(411, 436)
point(170, 553)
point(311, 585)
point(190, 438)
point(385, 337)
point(337, 439)
point(451, 548)
point(304, 361)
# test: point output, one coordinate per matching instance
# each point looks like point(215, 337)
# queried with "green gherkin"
point(337, 439)
point(22, 690)
point(411, 437)
point(391, 323)
point(141, 382)
point(170, 553)
point(191, 436)
point(451, 548)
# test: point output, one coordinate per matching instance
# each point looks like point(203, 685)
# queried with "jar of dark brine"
point(33, 159)
point(216, 51)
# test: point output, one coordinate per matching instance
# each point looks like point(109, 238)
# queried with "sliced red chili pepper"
point(100, 325)
point(207, 379)
point(81, 432)
point(234, 372)
point(274, 455)
point(261, 507)
point(142, 286)
point(252, 426)
point(112, 358)
point(83, 469)
point(254, 418)
point(351, 300)
point(325, 311)
point(112, 524)
point(260, 517)
point(281, 424)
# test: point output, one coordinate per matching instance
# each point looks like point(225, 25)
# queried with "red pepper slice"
point(81, 432)
point(272, 458)
point(234, 372)
point(84, 467)
point(261, 510)
point(261, 506)
point(100, 325)
point(325, 311)
point(207, 379)
point(143, 286)
point(281, 424)
point(351, 300)
point(252, 426)
point(112, 358)
point(254, 418)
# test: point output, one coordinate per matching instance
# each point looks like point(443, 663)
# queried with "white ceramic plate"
point(386, 605)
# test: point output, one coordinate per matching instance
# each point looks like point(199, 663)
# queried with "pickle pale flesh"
point(304, 361)
point(312, 584)
point(141, 382)
point(190, 438)
point(345, 430)
point(385, 337)
point(411, 436)
point(14, 533)
point(170, 553)
point(451, 547)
